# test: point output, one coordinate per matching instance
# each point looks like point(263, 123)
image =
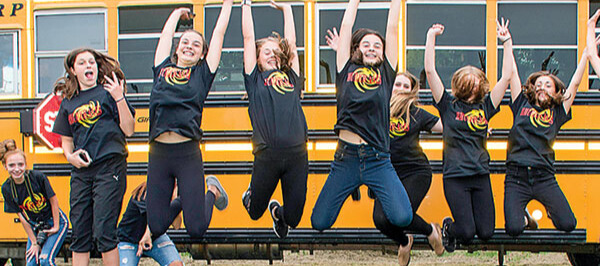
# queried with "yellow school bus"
point(35, 35)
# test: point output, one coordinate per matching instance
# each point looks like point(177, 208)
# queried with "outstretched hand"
point(502, 30)
point(332, 39)
point(593, 19)
point(436, 29)
point(114, 86)
point(185, 13)
point(280, 6)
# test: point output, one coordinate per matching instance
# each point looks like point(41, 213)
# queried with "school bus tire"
point(583, 259)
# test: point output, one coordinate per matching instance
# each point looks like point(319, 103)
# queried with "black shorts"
point(96, 199)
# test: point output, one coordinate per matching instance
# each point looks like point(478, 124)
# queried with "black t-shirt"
point(177, 99)
point(133, 224)
point(37, 204)
point(533, 133)
point(363, 102)
point(404, 147)
point(275, 109)
point(91, 117)
point(465, 135)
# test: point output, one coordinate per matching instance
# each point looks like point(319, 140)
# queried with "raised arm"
point(249, 39)
point(498, 91)
point(343, 52)
point(575, 81)
point(437, 87)
point(391, 33)
point(163, 49)
point(289, 32)
point(515, 82)
point(216, 42)
point(591, 39)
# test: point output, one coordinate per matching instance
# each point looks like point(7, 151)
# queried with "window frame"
point(61, 53)
point(16, 36)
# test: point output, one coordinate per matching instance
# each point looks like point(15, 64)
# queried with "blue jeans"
point(53, 243)
point(163, 251)
point(355, 165)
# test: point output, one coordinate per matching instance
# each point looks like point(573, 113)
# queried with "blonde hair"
point(401, 103)
point(7, 148)
point(284, 54)
point(464, 81)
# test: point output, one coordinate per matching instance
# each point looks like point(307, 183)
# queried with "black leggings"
point(184, 162)
point(270, 165)
point(522, 184)
point(472, 206)
point(416, 183)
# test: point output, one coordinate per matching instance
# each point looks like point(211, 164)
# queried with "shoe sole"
point(222, 202)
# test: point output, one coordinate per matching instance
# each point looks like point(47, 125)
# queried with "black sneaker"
point(281, 229)
point(246, 199)
point(448, 241)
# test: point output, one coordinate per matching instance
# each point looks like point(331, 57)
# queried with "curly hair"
point(9, 147)
point(284, 55)
point(356, 56)
point(174, 56)
point(68, 85)
point(401, 103)
point(469, 84)
point(530, 91)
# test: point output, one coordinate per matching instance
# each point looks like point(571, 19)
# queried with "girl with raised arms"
point(274, 86)
point(365, 75)
point(93, 120)
point(182, 81)
point(465, 114)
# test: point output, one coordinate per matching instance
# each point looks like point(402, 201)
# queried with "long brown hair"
point(174, 56)
point(284, 54)
point(530, 91)
point(401, 103)
point(9, 147)
point(68, 85)
point(356, 56)
point(139, 193)
point(464, 81)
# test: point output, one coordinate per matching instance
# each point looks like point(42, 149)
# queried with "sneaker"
point(281, 229)
point(435, 239)
point(221, 202)
point(448, 241)
point(404, 252)
point(530, 223)
point(246, 199)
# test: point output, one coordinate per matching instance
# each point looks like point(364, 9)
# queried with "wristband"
point(246, 2)
point(122, 98)
point(506, 40)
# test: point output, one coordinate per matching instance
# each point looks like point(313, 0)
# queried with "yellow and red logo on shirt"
point(86, 114)
point(34, 205)
point(176, 76)
point(544, 118)
point(398, 127)
point(475, 119)
point(365, 79)
point(280, 82)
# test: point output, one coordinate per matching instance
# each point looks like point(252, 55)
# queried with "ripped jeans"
point(163, 251)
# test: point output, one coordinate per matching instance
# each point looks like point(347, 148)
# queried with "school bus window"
point(544, 43)
point(139, 31)
point(9, 63)
point(463, 41)
point(59, 31)
point(266, 20)
point(329, 16)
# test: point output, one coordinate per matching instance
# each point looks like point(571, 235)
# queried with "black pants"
point(183, 161)
point(417, 183)
point(96, 198)
point(472, 206)
point(270, 165)
point(523, 184)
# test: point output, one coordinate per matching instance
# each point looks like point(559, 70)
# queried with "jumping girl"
point(93, 120)
point(181, 83)
point(540, 108)
point(29, 194)
point(274, 86)
point(465, 114)
point(134, 234)
point(365, 77)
